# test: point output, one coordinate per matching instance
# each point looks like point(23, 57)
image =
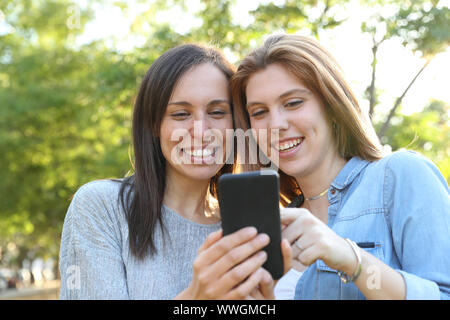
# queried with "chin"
point(292, 169)
point(201, 172)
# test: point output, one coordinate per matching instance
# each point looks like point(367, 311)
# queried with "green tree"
point(292, 16)
point(427, 132)
point(65, 111)
point(421, 25)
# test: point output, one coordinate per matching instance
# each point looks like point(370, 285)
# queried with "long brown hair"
point(318, 70)
point(142, 202)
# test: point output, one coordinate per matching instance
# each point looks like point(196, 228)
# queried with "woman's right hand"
point(228, 267)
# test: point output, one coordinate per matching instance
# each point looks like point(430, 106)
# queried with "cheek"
point(164, 137)
point(263, 136)
point(259, 124)
point(306, 122)
point(164, 129)
point(168, 139)
point(319, 127)
point(262, 133)
point(221, 127)
point(165, 147)
point(224, 124)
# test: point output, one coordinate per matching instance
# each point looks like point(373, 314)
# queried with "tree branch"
point(391, 114)
point(372, 99)
point(371, 89)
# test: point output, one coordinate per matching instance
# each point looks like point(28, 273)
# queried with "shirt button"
point(333, 191)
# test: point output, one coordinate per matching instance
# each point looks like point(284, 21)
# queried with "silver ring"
point(299, 245)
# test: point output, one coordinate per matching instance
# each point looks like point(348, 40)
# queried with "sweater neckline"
point(179, 217)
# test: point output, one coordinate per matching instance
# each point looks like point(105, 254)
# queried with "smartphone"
point(252, 199)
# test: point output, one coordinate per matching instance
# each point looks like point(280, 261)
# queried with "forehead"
point(201, 80)
point(275, 79)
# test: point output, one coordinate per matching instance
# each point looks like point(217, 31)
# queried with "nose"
point(278, 119)
point(199, 127)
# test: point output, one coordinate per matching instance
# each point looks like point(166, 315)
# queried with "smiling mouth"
point(289, 145)
point(200, 153)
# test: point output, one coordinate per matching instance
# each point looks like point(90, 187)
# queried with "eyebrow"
point(284, 95)
point(211, 103)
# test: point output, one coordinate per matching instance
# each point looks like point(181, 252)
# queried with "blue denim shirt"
point(398, 209)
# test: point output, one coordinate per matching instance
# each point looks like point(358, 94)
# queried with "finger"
point(294, 230)
point(304, 224)
point(210, 240)
point(266, 286)
point(287, 253)
point(297, 265)
point(289, 215)
point(244, 289)
point(308, 256)
point(238, 255)
point(255, 295)
point(224, 245)
point(297, 247)
point(295, 251)
point(239, 273)
point(306, 240)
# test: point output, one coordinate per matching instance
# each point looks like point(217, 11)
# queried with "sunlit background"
point(69, 72)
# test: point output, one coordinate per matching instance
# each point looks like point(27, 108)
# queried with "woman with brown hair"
point(156, 234)
point(362, 225)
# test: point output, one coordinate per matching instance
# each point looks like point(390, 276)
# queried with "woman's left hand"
point(311, 239)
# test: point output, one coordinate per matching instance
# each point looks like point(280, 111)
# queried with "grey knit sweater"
point(95, 258)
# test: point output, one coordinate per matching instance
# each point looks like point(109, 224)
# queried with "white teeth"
point(199, 153)
point(289, 145)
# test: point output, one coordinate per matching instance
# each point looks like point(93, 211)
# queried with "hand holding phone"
point(252, 199)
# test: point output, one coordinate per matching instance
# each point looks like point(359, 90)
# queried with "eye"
point(217, 113)
point(257, 113)
point(293, 103)
point(179, 115)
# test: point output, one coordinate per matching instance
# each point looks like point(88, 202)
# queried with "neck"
point(189, 198)
point(318, 180)
point(314, 183)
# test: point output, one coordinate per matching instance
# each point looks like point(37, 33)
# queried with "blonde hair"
point(308, 61)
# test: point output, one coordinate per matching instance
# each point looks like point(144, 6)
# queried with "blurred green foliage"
point(65, 108)
point(427, 132)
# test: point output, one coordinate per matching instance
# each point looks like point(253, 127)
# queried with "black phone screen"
point(252, 199)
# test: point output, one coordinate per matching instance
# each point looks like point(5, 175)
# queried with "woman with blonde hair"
point(362, 225)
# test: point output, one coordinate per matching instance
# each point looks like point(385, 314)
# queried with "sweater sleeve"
point(91, 264)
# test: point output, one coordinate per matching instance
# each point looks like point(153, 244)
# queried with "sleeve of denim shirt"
point(417, 196)
point(91, 265)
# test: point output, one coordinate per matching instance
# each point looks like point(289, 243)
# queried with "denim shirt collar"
point(349, 172)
